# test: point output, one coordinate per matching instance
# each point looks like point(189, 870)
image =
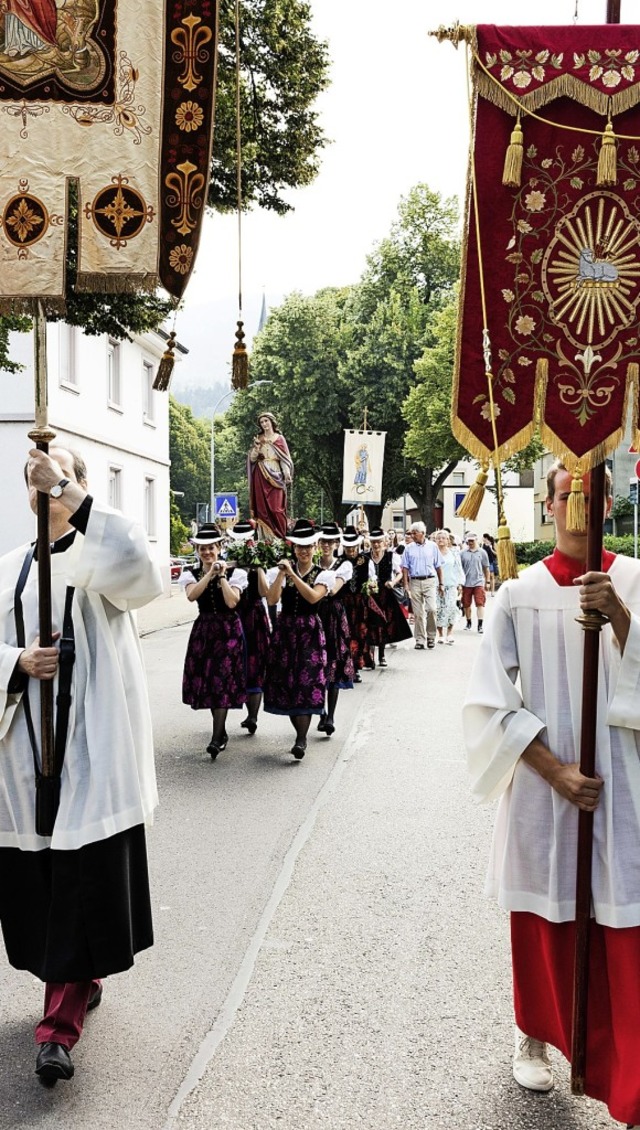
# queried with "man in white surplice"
point(75, 906)
point(522, 721)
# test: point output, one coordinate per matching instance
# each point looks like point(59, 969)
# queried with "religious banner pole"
point(592, 623)
point(41, 436)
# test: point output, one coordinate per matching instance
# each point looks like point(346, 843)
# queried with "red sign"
point(638, 469)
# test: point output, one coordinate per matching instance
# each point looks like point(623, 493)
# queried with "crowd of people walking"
point(290, 637)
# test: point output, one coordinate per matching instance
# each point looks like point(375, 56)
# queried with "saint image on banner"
point(270, 472)
point(29, 26)
point(361, 460)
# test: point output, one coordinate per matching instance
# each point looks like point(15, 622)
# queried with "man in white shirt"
point(422, 577)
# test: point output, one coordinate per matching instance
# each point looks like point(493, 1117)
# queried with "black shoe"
point(467, 626)
point(53, 1062)
point(216, 747)
point(329, 727)
point(299, 750)
point(430, 644)
point(480, 627)
point(357, 678)
point(382, 662)
point(250, 725)
point(95, 998)
point(322, 721)
point(419, 647)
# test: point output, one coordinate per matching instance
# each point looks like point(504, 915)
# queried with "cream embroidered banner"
point(117, 95)
point(362, 467)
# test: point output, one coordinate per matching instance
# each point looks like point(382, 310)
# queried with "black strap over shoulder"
point(65, 670)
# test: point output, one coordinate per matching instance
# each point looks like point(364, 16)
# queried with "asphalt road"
point(324, 955)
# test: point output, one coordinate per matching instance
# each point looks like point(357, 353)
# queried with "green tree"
point(190, 453)
point(178, 530)
point(284, 68)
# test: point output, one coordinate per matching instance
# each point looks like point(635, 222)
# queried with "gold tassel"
point(607, 158)
point(576, 513)
point(506, 551)
point(240, 363)
point(469, 508)
point(165, 368)
point(512, 175)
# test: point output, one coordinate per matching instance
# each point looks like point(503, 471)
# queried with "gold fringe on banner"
point(607, 158)
point(112, 284)
point(576, 511)
point(512, 174)
point(469, 508)
point(565, 86)
point(165, 368)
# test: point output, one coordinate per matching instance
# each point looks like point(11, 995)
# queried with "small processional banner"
point(117, 95)
point(557, 254)
point(362, 467)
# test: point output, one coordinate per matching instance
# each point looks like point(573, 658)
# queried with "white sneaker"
point(531, 1066)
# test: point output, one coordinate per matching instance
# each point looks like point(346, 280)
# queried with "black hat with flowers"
point(303, 533)
point(208, 534)
point(330, 531)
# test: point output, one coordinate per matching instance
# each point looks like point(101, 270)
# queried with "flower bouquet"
point(259, 554)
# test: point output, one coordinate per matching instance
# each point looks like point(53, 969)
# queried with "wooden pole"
point(592, 624)
point(41, 436)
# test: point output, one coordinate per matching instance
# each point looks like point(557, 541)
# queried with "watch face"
point(57, 490)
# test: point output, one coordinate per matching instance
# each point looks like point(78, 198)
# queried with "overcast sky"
point(396, 113)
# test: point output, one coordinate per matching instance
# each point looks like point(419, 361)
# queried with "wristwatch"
point(57, 490)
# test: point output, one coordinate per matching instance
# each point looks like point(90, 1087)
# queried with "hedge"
point(528, 552)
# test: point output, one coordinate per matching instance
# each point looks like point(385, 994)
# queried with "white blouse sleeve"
point(238, 580)
point(327, 578)
point(344, 571)
point(186, 578)
point(372, 571)
point(272, 573)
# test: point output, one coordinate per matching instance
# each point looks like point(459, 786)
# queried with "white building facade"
point(101, 401)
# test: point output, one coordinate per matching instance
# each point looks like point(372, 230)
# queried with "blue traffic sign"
point(225, 507)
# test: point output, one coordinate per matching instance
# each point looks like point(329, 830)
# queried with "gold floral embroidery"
point(180, 258)
point(189, 116)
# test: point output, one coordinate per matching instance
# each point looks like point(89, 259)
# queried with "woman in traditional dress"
point(355, 601)
point(214, 667)
point(296, 678)
point(386, 621)
point(332, 612)
point(270, 472)
point(256, 626)
point(452, 578)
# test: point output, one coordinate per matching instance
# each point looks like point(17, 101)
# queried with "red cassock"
point(267, 499)
point(39, 16)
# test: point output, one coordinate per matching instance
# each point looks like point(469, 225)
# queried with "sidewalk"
point(166, 612)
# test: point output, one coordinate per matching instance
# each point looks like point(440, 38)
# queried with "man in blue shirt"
point(421, 576)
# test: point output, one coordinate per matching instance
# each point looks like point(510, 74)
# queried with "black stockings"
point(219, 720)
point(332, 702)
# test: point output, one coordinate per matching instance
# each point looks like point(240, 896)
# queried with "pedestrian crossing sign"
point(225, 507)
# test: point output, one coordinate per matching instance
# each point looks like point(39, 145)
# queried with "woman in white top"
point(447, 610)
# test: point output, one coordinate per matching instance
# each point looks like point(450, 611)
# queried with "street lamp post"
point(229, 392)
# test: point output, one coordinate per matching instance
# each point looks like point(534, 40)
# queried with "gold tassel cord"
point(240, 362)
point(607, 158)
point(576, 511)
point(506, 551)
point(512, 175)
point(165, 368)
point(469, 508)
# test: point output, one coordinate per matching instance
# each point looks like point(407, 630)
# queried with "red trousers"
point(65, 1007)
point(543, 958)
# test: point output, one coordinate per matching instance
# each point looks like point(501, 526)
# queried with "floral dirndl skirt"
point(215, 664)
point(357, 610)
point(296, 679)
point(257, 632)
point(392, 626)
point(340, 670)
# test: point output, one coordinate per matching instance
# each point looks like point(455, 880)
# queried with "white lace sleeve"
point(327, 578)
point(345, 571)
point(238, 580)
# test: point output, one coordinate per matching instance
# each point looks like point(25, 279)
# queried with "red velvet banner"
point(558, 257)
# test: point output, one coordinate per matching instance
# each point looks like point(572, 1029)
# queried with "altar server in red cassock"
point(522, 722)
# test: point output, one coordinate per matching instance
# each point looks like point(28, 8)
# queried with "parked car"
point(176, 568)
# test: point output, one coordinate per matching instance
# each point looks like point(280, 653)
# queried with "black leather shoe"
point(250, 725)
point(214, 748)
point(95, 998)
point(322, 721)
point(53, 1062)
point(329, 727)
point(299, 750)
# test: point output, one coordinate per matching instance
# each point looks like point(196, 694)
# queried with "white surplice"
point(108, 780)
point(527, 682)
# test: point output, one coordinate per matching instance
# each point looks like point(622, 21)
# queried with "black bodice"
point(293, 603)
point(212, 599)
point(384, 567)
